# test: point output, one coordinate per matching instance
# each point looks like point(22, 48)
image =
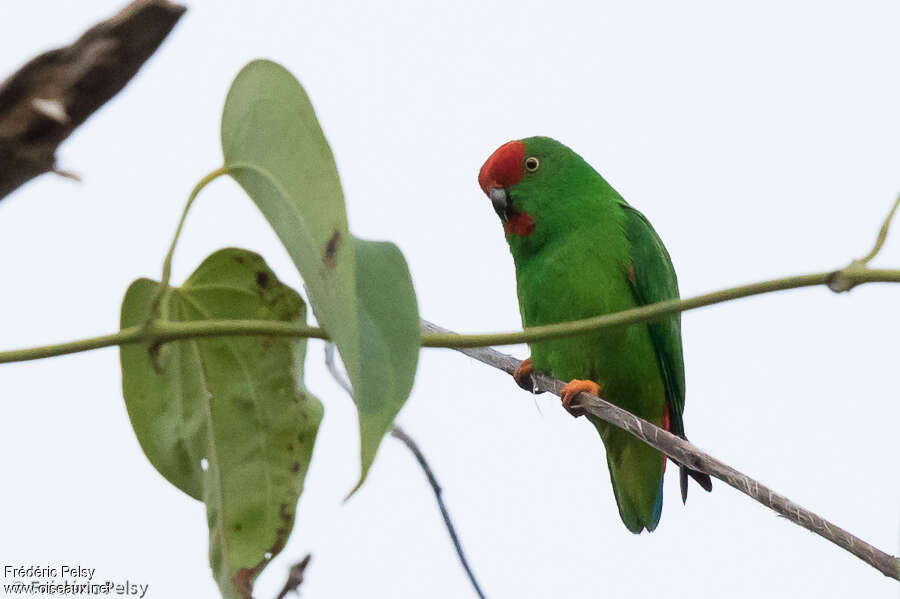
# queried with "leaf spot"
point(277, 546)
point(262, 279)
point(243, 581)
point(295, 467)
point(284, 513)
point(329, 258)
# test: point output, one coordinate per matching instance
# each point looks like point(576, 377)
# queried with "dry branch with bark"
point(45, 100)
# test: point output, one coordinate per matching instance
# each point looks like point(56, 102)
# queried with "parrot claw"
point(572, 389)
point(523, 377)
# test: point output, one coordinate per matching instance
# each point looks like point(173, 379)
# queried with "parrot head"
point(538, 187)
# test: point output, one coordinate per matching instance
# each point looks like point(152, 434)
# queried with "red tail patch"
point(665, 426)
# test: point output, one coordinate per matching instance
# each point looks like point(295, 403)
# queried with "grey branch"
point(399, 434)
point(684, 453)
point(45, 100)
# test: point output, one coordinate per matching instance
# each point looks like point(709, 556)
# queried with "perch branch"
point(45, 100)
point(685, 453)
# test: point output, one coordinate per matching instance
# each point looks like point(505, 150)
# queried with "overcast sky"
point(760, 142)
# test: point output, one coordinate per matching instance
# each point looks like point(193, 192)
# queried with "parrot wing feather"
point(652, 279)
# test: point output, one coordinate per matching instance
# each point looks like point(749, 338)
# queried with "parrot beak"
point(500, 200)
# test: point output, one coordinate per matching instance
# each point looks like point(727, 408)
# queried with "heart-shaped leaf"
point(361, 292)
point(227, 419)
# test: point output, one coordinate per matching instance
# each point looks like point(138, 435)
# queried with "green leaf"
point(361, 292)
point(388, 324)
point(227, 419)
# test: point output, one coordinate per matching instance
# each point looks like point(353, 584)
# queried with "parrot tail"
point(636, 473)
point(701, 477)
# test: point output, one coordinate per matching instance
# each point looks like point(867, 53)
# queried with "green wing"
point(652, 279)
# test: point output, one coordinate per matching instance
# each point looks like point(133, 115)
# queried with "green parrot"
point(581, 250)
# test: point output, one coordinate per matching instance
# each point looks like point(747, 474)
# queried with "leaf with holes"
point(227, 419)
point(360, 291)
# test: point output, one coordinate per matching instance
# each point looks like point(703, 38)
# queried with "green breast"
point(579, 275)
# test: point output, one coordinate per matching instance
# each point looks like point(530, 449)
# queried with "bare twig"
point(401, 435)
point(685, 453)
point(295, 577)
point(45, 100)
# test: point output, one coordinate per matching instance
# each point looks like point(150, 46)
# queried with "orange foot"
point(523, 375)
point(572, 389)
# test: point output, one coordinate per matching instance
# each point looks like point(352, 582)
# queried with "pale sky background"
point(760, 141)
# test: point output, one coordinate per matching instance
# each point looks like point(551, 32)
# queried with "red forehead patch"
point(503, 168)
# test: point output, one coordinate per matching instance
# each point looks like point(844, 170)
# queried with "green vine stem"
point(837, 281)
point(161, 331)
point(882, 235)
point(157, 332)
point(167, 262)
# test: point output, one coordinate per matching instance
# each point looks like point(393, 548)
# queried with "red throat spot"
point(520, 224)
point(503, 168)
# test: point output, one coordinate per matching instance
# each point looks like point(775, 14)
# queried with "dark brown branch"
point(295, 577)
point(684, 453)
point(44, 101)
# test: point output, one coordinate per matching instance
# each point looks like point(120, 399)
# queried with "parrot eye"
point(532, 164)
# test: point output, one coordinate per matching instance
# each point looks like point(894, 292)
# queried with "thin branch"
point(44, 101)
point(685, 453)
point(401, 435)
point(882, 234)
point(165, 331)
point(295, 577)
